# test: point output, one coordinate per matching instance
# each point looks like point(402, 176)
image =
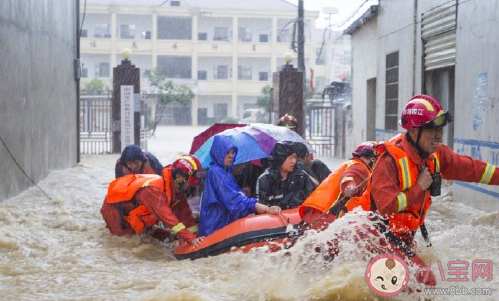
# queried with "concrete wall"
point(37, 92)
point(477, 95)
point(364, 67)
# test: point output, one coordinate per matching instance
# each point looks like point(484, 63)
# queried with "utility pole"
point(301, 37)
point(301, 64)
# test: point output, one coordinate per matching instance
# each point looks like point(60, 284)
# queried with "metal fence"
point(320, 129)
point(95, 124)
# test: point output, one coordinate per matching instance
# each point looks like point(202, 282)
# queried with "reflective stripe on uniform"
point(406, 175)
point(178, 227)
point(487, 174)
point(146, 183)
point(346, 179)
point(193, 229)
point(402, 201)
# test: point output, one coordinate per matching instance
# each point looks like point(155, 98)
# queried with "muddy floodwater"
point(56, 247)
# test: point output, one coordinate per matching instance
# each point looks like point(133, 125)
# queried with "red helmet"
point(288, 121)
point(189, 167)
point(424, 111)
point(366, 149)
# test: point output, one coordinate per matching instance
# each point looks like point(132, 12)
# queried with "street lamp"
point(126, 53)
point(288, 58)
point(329, 11)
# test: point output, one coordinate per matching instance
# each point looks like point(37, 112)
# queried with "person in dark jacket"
point(284, 183)
point(247, 175)
point(223, 201)
point(134, 160)
point(316, 168)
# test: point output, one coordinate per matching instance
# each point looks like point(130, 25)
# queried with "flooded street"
point(56, 247)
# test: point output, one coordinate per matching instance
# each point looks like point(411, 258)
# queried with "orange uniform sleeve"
point(155, 201)
point(454, 166)
point(354, 175)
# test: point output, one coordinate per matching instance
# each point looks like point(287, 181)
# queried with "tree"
point(263, 101)
point(168, 92)
point(95, 86)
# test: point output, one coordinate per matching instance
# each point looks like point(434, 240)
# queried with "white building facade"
point(225, 51)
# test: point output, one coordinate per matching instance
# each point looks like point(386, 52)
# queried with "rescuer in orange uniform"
point(410, 169)
point(138, 203)
point(341, 191)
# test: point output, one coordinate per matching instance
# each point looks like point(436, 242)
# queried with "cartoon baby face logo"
point(387, 275)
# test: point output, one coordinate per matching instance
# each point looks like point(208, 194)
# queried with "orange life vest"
point(328, 193)
point(410, 218)
point(124, 188)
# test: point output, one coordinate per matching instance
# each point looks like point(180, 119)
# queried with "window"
point(221, 34)
point(84, 72)
point(202, 36)
point(220, 111)
point(173, 66)
point(221, 72)
point(391, 91)
point(244, 34)
point(202, 75)
point(175, 28)
point(127, 31)
point(102, 70)
point(264, 38)
point(175, 3)
point(147, 73)
point(84, 33)
point(146, 35)
point(263, 76)
point(243, 73)
point(101, 31)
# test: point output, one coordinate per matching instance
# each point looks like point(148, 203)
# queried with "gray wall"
point(364, 67)
point(37, 91)
point(476, 113)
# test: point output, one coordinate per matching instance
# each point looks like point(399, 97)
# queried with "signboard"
point(127, 118)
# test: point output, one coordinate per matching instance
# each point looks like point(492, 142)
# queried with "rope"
point(22, 170)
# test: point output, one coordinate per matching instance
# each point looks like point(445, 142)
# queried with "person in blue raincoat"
point(223, 201)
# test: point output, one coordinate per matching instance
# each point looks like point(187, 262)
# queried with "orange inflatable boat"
point(245, 234)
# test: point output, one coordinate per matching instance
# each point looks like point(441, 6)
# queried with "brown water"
point(59, 249)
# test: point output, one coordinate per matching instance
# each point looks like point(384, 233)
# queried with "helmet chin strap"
point(418, 148)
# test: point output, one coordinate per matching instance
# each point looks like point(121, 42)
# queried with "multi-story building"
point(226, 51)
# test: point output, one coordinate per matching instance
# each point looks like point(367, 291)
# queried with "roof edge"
point(369, 14)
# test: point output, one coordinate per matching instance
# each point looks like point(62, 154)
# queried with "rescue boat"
point(245, 234)
point(279, 231)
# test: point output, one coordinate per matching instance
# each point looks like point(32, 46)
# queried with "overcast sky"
point(345, 9)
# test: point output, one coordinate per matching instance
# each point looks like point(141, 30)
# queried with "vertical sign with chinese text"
point(127, 118)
